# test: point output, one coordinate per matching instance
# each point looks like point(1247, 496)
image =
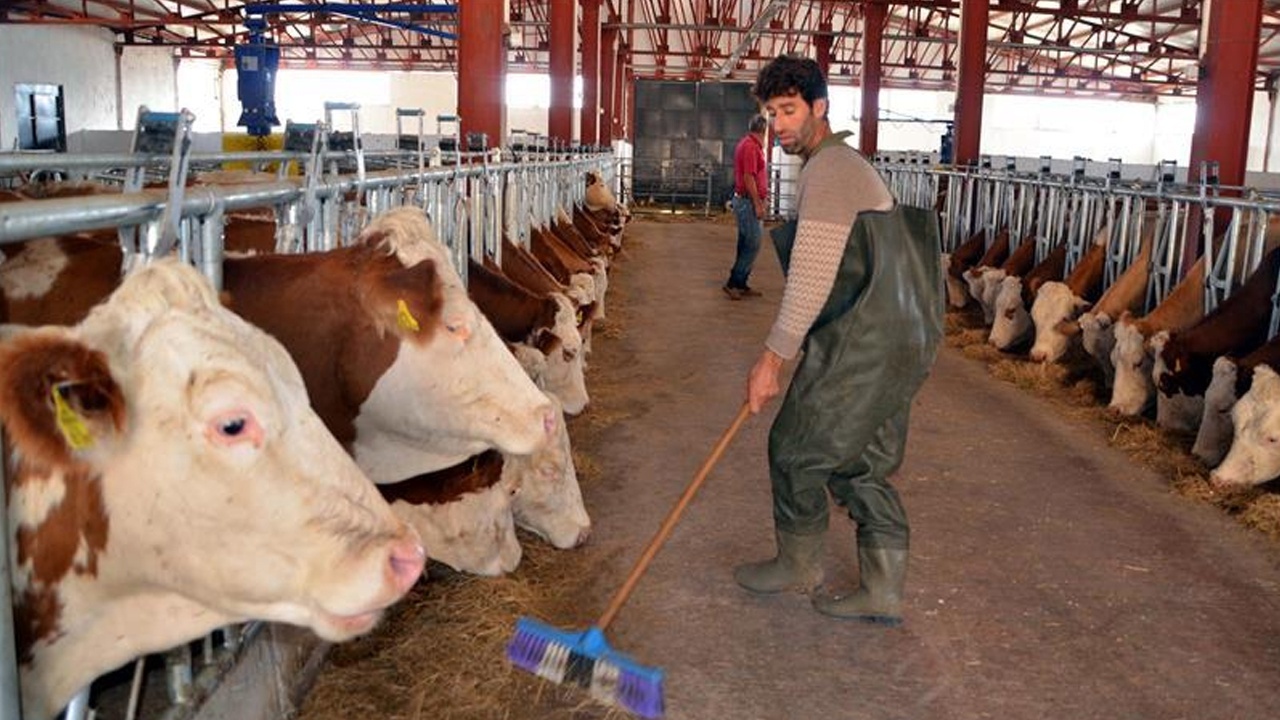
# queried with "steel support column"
point(608, 61)
point(629, 104)
point(873, 21)
point(482, 69)
point(822, 52)
point(1224, 96)
point(589, 120)
point(562, 34)
point(972, 80)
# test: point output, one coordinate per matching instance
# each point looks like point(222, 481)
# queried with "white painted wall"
point(81, 59)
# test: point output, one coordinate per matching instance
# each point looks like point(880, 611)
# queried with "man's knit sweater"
point(835, 185)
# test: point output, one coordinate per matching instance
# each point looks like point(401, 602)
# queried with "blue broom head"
point(585, 659)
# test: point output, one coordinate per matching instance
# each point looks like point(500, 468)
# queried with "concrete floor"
point(1051, 576)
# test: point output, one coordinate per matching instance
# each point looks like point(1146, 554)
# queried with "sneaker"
point(733, 292)
point(749, 292)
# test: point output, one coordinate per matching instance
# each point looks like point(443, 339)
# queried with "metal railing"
point(471, 206)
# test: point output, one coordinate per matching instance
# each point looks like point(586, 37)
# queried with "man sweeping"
point(863, 301)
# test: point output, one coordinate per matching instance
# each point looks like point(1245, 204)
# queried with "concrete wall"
point(83, 61)
point(80, 59)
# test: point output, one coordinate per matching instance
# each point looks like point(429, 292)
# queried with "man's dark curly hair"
point(790, 75)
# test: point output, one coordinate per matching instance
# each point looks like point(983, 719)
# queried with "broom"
point(585, 658)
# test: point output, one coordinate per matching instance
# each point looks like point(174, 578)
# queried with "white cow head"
point(445, 398)
point(167, 476)
point(1133, 390)
point(1054, 314)
point(473, 530)
point(601, 276)
point(991, 280)
point(1214, 436)
point(565, 374)
point(1012, 323)
point(549, 502)
point(973, 280)
point(1098, 336)
point(1255, 454)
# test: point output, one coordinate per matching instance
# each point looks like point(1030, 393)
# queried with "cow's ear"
point(57, 396)
point(404, 301)
point(545, 341)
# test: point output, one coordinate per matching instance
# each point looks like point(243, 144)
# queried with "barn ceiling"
point(1107, 47)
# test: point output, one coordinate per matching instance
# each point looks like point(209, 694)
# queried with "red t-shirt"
point(748, 159)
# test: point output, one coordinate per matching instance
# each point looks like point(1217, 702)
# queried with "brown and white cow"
point(1232, 378)
point(1254, 456)
point(1134, 389)
point(1126, 294)
point(400, 363)
point(545, 321)
point(167, 476)
point(1058, 305)
point(463, 514)
point(1013, 323)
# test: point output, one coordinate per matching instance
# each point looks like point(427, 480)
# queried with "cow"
point(1012, 321)
point(1239, 324)
point(1254, 456)
point(462, 513)
point(523, 268)
point(1058, 305)
point(57, 280)
point(471, 509)
point(959, 260)
point(1134, 390)
point(543, 321)
point(400, 363)
point(166, 476)
point(994, 257)
point(1183, 361)
point(1232, 378)
point(1126, 294)
point(986, 284)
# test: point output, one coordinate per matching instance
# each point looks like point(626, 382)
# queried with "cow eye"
point(233, 427)
point(569, 355)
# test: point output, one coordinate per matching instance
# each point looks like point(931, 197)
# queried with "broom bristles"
point(585, 659)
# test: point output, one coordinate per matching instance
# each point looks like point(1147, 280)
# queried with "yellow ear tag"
point(70, 423)
point(404, 318)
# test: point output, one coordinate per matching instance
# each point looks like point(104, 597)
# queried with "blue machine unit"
point(256, 65)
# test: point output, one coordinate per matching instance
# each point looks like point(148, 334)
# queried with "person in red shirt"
point(750, 190)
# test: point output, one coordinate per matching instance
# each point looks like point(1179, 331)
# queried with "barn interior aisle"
point(1052, 576)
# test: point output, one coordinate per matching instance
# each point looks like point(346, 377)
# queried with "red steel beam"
point(561, 32)
point(608, 59)
point(1224, 99)
point(873, 20)
point(589, 120)
point(482, 61)
point(974, 17)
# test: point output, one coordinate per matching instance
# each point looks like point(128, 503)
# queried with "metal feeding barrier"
point(1072, 208)
point(470, 205)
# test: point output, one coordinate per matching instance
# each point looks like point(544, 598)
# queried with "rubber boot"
point(882, 573)
point(797, 567)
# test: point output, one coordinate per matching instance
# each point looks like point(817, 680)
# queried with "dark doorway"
point(41, 118)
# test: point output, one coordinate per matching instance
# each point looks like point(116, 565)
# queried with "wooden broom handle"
point(620, 597)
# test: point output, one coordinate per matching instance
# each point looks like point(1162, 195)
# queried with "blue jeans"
point(750, 230)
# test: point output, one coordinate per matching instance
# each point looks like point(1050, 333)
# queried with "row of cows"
point(1214, 374)
point(293, 448)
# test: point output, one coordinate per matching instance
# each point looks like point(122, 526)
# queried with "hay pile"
point(1076, 384)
